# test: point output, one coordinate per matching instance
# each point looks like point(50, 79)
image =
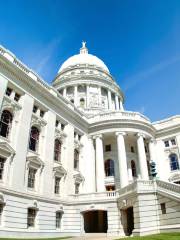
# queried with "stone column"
point(64, 92)
point(3, 84)
point(100, 174)
point(75, 96)
point(87, 96)
point(123, 172)
point(152, 150)
point(142, 157)
point(117, 102)
point(109, 99)
point(121, 105)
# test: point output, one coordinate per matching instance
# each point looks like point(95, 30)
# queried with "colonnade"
point(122, 159)
point(118, 100)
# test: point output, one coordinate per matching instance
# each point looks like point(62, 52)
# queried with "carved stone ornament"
point(78, 178)
point(59, 134)
point(175, 177)
point(10, 104)
point(77, 144)
point(34, 161)
point(38, 121)
point(59, 171)
point(2, 200)
point(125, 203)
point(6, 149)
point(34, 205)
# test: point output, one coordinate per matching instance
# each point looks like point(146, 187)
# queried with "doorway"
point(95, 221)
point(127, 219)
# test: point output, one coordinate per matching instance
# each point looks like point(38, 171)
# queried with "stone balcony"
point(91, 197)
point(118, 115)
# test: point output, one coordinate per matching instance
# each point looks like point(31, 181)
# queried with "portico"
point(129, 153)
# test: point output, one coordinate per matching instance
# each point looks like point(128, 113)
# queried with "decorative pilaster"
point(109, 100)
point(142, 157)
point(100, 174)
point(3, 84)
point(99, 96)
point(123, 172)
point(75, 96)
point(64, 92)
point(87, 96)
point(117, 102)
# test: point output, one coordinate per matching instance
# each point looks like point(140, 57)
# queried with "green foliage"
point(163, 236)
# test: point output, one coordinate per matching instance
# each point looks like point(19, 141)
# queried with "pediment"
point(34, 160)
point(6, 149)
point(175, 177)
point(59, 171)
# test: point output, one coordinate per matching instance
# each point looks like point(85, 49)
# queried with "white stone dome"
point(83, 58)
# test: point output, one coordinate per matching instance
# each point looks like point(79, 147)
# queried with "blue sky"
point(139, 40)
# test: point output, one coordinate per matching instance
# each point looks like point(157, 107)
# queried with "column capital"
point(140, 135)
point(120, 133)
point(152, 140)
point(97, 136)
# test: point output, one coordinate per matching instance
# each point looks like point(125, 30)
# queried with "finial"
point(83, 44)
point(84, 49)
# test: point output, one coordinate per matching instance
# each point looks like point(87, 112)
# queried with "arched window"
point(34, 139)
point(5, 123)
point(76, 159)
point(57, 150)
point(133, 168)
point(82, 102)
point(109, 168)
point(174, 163)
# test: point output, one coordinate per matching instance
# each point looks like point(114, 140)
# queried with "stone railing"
point(147, 186)
point(12, 58)
point(119, 115)
point(95, 196)
point(170, 188)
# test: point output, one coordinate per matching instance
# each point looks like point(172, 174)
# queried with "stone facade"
point(71, 155)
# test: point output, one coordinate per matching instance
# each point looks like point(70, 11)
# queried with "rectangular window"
point(31, 177)
point(57, 123)
point(1, 212)
point(35, 108)
point(166, 143)
point(31, 217)
point(132, 149)
point(77, 188)
point(42, 113)
point(8, 91)
point(173, 141)
point(58, 219)
point(163, 208)
point(57, 185)
point(62, 126)
point(108, 148)
point(17, 97)
point(2, 161)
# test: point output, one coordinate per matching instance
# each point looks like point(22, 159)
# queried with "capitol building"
point(73, 161)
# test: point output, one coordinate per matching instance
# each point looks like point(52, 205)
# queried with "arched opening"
point(5, 123)
point(34, 139)
point(57, 150)
point(82, 102)
point(95, 221)
point(127, 219)
point(133, 168)
point(109, 168)
point(174, 163)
